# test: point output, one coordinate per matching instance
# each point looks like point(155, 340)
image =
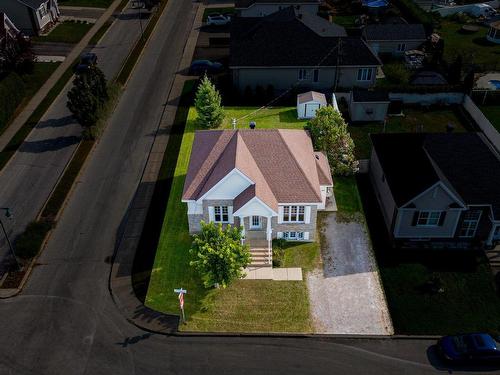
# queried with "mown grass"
point(347, 195)
point(493, 114)
point(432, 121)
point(268, 118)
point(66, 32)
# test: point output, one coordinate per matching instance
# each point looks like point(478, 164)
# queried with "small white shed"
point(308, 103)
point(368, 105)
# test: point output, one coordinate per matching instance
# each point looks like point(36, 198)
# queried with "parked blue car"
point(470, 348)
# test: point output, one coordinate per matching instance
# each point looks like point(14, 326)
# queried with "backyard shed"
point(368, 105)
point(308, 103)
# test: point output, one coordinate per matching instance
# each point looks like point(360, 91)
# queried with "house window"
point(293, 214)
point(221, 214)
point(469, 225)
point(294, 236)
point(429, 218)
point(42, 11)
point(315, 75)
point(365, 74)
point(302, 74)
point(255, 222)
point(401, 47)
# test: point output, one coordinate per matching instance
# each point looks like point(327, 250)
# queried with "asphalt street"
point(65, 321)
point(28, 179)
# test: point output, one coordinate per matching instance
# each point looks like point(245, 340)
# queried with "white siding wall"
point(229, 188)
point(382, 191)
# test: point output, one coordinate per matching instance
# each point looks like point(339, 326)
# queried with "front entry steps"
point(260, 257)
point(494, 258)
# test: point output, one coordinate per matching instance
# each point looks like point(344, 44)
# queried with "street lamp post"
point(8, 215)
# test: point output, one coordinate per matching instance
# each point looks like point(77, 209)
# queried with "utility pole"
point(8, 215)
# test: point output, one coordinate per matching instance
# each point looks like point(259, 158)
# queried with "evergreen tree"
point(208, 104)
point(329, 134)
point(218, 254)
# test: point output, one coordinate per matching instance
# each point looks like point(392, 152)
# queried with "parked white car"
point(218, 19)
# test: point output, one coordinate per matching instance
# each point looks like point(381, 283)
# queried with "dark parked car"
point(86, 60)
point(473, 348)
point(205, 66)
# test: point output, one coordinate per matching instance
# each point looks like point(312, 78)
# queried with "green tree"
point(208, 104)
point(329, 134)
point(218, 254)
point(87, 96)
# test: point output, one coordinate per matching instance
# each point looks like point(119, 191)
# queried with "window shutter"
point(442, 218)
point(306, 236)
point(307, 214)
point(279, 235)
point(280, 214)
point(211, 216)
point(415, 218)
point(230, 214)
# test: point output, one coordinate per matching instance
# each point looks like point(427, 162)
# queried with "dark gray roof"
point(247, 3)
point(394, 32)
point(35, 4)
point(365, 96)
point(428, 78)
point(281, 39)
point(414, 162)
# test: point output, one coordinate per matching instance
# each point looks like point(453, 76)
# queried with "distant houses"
point(394, 39)
point(262, 8)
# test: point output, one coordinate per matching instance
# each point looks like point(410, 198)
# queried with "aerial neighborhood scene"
point(249, 186)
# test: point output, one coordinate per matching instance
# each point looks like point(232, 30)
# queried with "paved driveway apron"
point(346, 296)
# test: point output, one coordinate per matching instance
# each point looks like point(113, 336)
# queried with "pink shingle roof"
point(281, 163)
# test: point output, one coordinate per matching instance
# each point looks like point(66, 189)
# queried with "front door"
point(255, 222)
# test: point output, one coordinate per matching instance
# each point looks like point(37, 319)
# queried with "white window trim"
point(429, 212)
point(403, 49)
point(252, 226)
point(298, 207)
point(302, 77)
point(221, 215)
point(365, 73)
point(469, 221)
point(298, 235)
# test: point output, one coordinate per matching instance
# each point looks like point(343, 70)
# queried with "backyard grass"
point(345, 21)
point(347, 195)
point(86, 3)
point(268, 118)
point(246, 305)
point(414, 120)
point(484, 52)
point(493, 114)
point(66, 32)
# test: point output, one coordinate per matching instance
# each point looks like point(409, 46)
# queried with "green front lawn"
point(468, 303)
point(474, 44)
point(268, 118)
point(66, 32)
point(493, 114)
point(414, 120)
point(86, 3)
point(41, 72)
point(246, 305)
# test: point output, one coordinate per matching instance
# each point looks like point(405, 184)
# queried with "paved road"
point(30, 176)
point(65, 321)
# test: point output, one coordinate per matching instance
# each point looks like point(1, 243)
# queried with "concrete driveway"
point(346, 296)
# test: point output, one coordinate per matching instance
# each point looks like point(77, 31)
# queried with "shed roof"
point(311, 96)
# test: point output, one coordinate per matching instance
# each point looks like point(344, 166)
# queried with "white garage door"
point(311, 110)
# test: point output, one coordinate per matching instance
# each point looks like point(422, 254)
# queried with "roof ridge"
point(298, 164)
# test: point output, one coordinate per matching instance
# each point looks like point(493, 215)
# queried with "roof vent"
point(253, 124)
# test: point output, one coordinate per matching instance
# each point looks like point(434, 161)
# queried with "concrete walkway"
point(346, 297)
point(42, 93)
point(276, 274)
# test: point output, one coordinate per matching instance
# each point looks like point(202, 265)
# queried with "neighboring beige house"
point(270, 182)
point(31, 17)
point(437, 190)
point(286, 49)
point(262, 8)
point(394, 39)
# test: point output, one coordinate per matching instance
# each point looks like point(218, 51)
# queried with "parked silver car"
point(218, 19)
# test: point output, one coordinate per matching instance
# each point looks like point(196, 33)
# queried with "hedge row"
point(414, 13)
point(12, 91)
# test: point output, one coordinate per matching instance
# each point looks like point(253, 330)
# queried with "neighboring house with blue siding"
point(437, 190)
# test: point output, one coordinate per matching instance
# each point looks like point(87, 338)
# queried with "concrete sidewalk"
point(35, 101)
point(121, 272)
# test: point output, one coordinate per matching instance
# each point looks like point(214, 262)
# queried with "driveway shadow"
point(46, 145)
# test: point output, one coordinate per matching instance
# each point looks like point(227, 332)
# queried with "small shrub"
point(397, 73)
point(12, 92)
point(28, 244)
